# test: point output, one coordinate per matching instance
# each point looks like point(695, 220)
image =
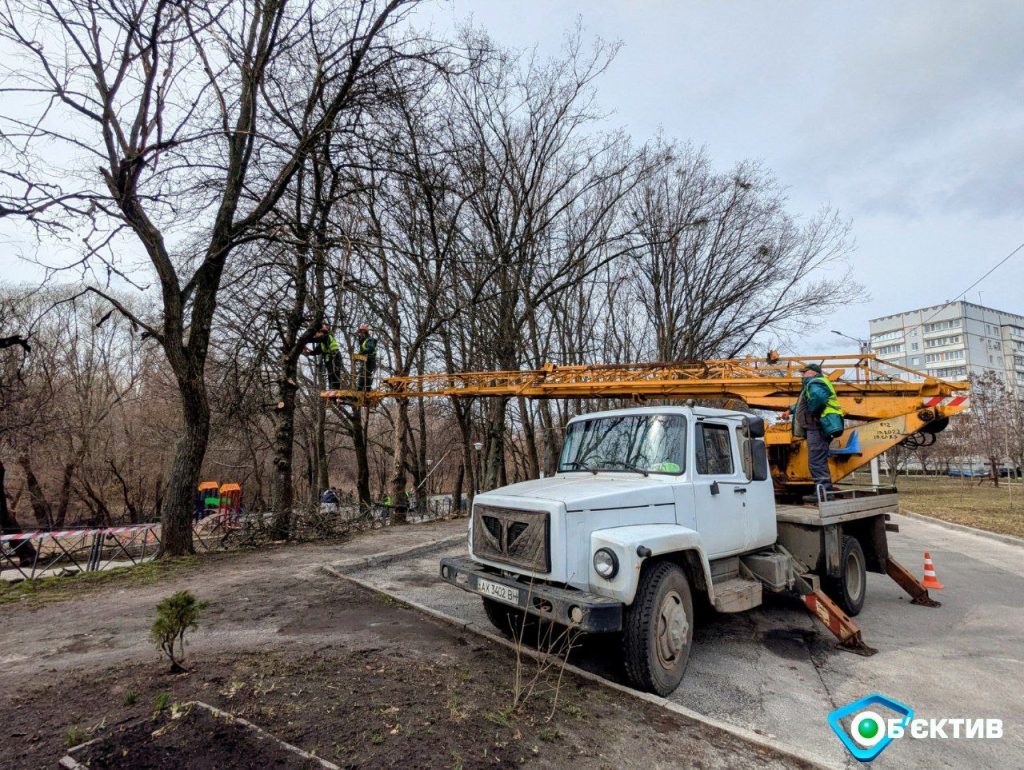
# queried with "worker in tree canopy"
point(817, 417)
point(366, 352)
point(327, 347)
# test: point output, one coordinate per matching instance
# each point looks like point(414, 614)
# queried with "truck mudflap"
point(585, 611)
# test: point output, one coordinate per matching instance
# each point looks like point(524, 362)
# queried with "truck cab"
point(648, 506)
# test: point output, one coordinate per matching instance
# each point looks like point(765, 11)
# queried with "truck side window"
point(746, 458)
point(714, 450)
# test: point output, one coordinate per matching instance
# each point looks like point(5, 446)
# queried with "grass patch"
point(964, 501)
point(55, 589)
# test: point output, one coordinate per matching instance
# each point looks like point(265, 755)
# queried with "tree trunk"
point(494, 473)
point(323, 466)
point(460, 474)
point(176, 513)
point(359, 448)
point(529, 440)
point(284, 449)
point(422, 466)
point(65, 495)
point(9, 524)
point(551, 442)
point(399, 450)
point(40, 507)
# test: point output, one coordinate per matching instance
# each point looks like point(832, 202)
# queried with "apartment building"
point(953, 341)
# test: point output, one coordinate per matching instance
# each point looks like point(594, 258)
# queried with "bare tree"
point(989, 424)
point(174, 104)
point(720, 261)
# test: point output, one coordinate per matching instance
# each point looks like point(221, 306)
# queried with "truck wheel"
point(658, 629)
point(850, 588)
point(508, 620)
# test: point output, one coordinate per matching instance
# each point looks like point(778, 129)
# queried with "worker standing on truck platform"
point(327, 347)
point(817, 417)
point(366, 356)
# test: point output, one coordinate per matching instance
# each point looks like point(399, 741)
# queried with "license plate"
point(498, 591)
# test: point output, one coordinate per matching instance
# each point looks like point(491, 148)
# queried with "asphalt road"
point(776, 671)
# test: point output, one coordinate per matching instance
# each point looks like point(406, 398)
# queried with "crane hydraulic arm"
point(884, 404)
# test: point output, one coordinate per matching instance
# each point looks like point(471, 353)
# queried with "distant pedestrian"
point(329, 501)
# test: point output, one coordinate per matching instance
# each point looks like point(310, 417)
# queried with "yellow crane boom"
point(889, 404)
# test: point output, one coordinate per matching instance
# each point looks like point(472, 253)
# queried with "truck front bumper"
point(586, 611)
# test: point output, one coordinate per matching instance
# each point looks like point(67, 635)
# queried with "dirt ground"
point(965, 501)
point(210, 741)
point(322, 664)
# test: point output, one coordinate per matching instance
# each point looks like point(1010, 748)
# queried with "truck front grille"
point(513, 537)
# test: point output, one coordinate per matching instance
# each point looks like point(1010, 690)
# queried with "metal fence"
point(46, 553)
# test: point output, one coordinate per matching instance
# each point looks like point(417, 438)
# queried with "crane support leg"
point(836, 621)
point(905, 580)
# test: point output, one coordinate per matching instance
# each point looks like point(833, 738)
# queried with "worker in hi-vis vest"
point(817, 417)
point(325, 346)
point(366, 357)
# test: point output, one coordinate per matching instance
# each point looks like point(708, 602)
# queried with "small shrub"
point(75, 735)
point(131, 698)
point(176, 615)
point(161, 701)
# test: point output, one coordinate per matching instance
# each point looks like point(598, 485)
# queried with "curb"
point(1008, 539)
point(748, 736)
point(382, 559)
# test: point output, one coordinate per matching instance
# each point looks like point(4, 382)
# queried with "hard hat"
point(364, 328)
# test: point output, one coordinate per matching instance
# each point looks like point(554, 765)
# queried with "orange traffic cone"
point(930, 581)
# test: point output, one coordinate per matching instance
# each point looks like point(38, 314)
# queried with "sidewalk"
point(105, 624)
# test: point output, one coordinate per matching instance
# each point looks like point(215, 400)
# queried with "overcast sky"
point(907, 117)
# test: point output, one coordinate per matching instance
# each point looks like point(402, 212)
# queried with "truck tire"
point(851, 587)
point(658, 629)
point(509, 620)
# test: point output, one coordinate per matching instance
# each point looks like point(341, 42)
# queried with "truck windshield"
point(649, 443)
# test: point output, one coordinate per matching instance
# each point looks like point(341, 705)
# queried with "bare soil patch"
point(190, 737)
point(341, 672)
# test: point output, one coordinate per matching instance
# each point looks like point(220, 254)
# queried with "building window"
point(886, 336)
point(953, 371)
point(916, 360)
point(949, 355)
point(914, 345)
point(937, 342)
point(890, 350)
point(939, 326)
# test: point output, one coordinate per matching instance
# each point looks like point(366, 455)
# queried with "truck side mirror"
point(755, 426)
point(759, 457)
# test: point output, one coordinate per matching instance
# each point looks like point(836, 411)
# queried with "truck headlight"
point(606, 563)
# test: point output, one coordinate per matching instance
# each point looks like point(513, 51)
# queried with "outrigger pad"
point(836, 621)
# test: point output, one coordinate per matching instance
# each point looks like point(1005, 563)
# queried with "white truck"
point(653, 509)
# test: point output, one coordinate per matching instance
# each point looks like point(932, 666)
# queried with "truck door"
point(720, 489)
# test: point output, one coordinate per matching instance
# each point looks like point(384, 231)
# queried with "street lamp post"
point(865, 346)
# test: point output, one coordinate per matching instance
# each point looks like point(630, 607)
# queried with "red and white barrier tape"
point(43, 534)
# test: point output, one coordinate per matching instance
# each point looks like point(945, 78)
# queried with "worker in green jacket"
point(818, 418)
point(327, 347)
point(366, 357)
